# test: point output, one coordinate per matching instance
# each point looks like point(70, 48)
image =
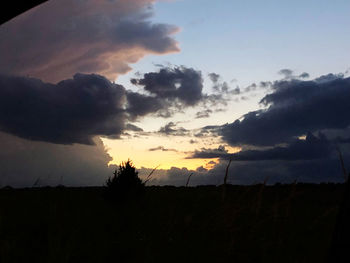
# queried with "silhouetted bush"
point(125, 183)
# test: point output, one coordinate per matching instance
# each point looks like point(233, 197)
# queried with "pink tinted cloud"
point(61, 37)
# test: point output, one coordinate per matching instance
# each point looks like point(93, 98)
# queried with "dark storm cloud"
point(75, 110)
point(61, 37)
point(295, 107)
point(205, 153)
point(168, 91)
point(311, 148)
point(174, 88)
point(71, 111)
point(178, 83)
point(141, 105)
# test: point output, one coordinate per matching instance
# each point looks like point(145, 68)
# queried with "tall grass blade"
point(226, 173)
point(225, 180)
point(36, 183)
point(345, 173)
point(150, 174)
point(188, 179)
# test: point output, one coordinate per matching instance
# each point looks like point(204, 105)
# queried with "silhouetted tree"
point(125, 182)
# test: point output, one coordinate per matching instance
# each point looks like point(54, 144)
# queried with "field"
point(280, 223)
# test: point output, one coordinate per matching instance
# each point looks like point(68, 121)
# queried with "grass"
point(345, 173)
point(225, 180)
point(188, 179)
point(150, 174)
point(170, 224)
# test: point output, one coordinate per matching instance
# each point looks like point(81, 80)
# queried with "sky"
point(181, 85)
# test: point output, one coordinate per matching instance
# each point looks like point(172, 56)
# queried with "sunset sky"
point(182, 85)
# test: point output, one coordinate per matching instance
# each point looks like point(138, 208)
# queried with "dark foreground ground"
point(285, 223)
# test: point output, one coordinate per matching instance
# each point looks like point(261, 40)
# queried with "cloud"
point(251, 87)
point(179, 83)
point(214, 77)
point(329, 77)
point(209, 131)
point(304, 75)
point(256, 171)
point(253, 172)
point(311, 148)
point(131, 127)
point(205, 153)
point(75, 110)
point(161, 148)
point(175, 88)
point(23, 162)
point(71, 111)
point(171, 129)
point(265, 84)
point(262, 85)
point(139, 105)
point(222, 91)
point(61, 37)
point(295, 107)
point(287, 73)
point(203, 114)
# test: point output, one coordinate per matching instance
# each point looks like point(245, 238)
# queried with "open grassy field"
point(281, 223)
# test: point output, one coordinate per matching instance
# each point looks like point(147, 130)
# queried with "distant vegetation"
point(125, 183)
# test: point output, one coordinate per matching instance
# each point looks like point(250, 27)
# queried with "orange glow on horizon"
point(173, 154)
